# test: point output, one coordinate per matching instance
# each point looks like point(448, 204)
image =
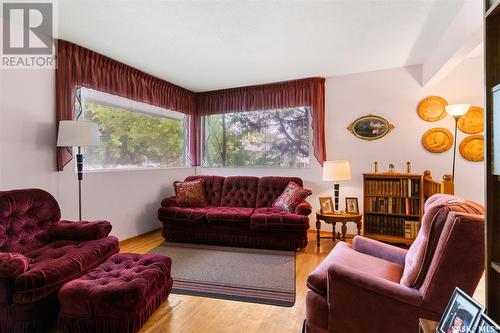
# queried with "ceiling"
point(208, 45)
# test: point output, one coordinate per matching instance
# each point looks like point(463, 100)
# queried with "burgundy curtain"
point(78, 66)
point(305, 92)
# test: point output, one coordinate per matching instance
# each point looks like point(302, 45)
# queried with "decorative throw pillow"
point(190, 193)
point(291, 196)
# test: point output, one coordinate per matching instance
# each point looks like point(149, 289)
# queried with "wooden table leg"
point(318, 227)
point(344, 230)
point(359, 227)
point(333, 232)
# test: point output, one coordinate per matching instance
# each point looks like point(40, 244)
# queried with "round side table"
point(331, 218)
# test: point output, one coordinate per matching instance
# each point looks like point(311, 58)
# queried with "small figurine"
point(408, 167)
point(375, 164)
point(392, 169)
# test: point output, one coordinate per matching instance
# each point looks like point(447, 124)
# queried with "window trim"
point(89, 95)
point(310, 144)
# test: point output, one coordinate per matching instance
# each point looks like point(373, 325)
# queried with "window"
point(272, 138)
point(133, 135)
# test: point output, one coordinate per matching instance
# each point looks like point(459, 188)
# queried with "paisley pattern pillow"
point(190, 193)
point(291, 196)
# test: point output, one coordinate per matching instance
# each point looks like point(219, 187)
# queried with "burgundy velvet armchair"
point(374, 287)
point(39, 253)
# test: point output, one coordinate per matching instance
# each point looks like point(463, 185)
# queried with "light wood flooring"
point(188, 314)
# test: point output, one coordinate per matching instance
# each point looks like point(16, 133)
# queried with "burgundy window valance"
point(305, 92)
point(78, 66)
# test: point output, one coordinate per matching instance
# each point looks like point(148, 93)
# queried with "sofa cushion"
point(421, 252)
point(275, 219)
point(270, 188)
point(239, 191)
point(292, 195)
point(183, 214)
point(343, 254)
point(57, 263)
point(212, 186)
point(190, 193)
point(229, 216)
point(12, 265)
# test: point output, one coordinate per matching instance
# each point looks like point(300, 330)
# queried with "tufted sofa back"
point(270, 188)
point(212, 186)
point(239, 191)
point(24, 216)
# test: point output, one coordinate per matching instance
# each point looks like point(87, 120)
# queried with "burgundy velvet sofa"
point(239, 213)
point(374, 287)
point(39, 253)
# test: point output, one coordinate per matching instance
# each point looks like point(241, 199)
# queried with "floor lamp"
point(79, 134)
point(456, 111)
point(336, 171)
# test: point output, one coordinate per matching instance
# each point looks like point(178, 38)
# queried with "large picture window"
point(133, 135)
point(277, 138)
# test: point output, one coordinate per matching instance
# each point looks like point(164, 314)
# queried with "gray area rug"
point(249, 275)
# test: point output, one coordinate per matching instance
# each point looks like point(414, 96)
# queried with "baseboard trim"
point(138, 237)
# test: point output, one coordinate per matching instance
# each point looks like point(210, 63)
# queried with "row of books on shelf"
point(391, 226)
point(401, 187)
point(409, 206)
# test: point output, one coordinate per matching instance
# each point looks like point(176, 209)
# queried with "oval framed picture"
point(472, 121)
point(437, 140)
point(370, 127)
point(472, 148)
point(432, 108)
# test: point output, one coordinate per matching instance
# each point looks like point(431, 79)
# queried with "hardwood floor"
point(198, 314)
point(188, 314)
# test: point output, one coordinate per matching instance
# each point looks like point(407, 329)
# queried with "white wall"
point(393, 94)
point(128, 199)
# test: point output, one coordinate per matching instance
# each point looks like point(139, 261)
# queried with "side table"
point(427, 326)
point(333, 219)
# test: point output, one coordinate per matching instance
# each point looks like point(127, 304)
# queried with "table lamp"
point(336, 171)
point(79, 134)
point(456, 111)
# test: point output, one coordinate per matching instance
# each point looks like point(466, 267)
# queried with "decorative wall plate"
point(432, 108)
point(472, 121)
point(370, 127)
point(437, 140)
point(472, 148)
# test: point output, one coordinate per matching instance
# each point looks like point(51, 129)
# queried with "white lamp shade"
point(457, 110)
point(77, 133)
point(336, 171)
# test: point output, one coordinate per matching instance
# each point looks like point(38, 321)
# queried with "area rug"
point(240, 274)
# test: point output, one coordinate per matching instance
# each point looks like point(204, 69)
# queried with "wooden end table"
point(427, 326)
point(333, 219)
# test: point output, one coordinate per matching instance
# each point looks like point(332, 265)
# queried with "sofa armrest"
point(359, 279)
point(79, 230)
point(303, 208)
point(380, 250)
point(169, 202)
point(12, 265)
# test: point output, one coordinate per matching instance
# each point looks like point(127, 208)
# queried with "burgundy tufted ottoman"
point(118, 296)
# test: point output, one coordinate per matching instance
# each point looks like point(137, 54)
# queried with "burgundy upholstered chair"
point(39, 253)
point(374, 287)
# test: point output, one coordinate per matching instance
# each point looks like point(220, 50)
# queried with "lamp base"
point(336, 192)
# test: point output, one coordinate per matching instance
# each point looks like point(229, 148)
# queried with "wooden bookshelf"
point(393, 206)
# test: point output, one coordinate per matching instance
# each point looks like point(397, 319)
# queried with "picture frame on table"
point(462, 314)
point(487, 325)
point(351, 205)
point(326, 205)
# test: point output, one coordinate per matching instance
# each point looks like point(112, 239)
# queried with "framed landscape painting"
point(370, 127)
